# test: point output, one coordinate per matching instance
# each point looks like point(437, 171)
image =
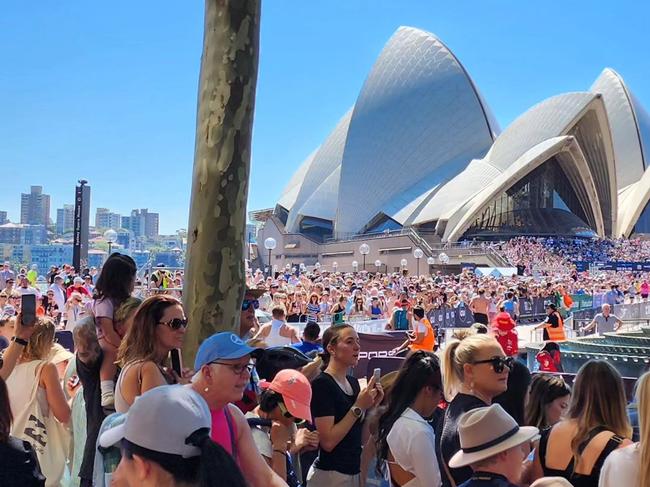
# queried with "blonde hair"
point(643, 405)
point(458, 353)
point(598, 399)
point(85, 338)
point(126, 308)
point(41, 342)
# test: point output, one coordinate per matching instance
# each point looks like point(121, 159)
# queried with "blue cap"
point(221, 346)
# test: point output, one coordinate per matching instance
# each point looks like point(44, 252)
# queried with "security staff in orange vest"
point(422, 337)
point(553, 325)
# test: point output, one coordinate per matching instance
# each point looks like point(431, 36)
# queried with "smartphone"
point(74, 381)
point(177, 362)
point(376, 374)
point(28, 309)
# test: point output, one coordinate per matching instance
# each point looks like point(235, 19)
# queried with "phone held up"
point(177, 362)
point(376, 374)
point(28, 309)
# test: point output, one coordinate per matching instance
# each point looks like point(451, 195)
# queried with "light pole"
point(430, 261)
point(418, 254)
point(378, 265)
point(364, 249)
point(110, 236)
point(334, 266)
point(317, 266)
point(269, 244)
point(403, 263)
point(443, 258)
point(355, 266)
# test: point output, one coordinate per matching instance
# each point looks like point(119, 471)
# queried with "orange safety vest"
point(429, 341)
point(556, 334)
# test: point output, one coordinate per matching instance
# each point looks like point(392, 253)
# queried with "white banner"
point(365, 326)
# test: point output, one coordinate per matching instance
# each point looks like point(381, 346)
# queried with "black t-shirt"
point(554, 321)
point(18, 465)
point(449, 439)
point(329, 400)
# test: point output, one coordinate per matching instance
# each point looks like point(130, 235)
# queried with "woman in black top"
point(596, 425)
point(18, 462)
point(338, 406)
point(475, 371)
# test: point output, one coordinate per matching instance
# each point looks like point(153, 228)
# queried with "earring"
point(206, 389)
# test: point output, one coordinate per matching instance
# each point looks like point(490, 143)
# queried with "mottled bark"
point(214, 285)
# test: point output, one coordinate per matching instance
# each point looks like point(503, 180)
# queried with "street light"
point(110, 236)
point(431, 261)
point(418, 254)
point(443, 258)
point(335, 265)
point(355, 266)
point(317, 266)
point(269, 244)
point(403, 263)
point(378, 264)
point(364, 249)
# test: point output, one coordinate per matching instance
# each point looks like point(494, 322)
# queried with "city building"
point(19, 234)
point(65, 219)
point(420, 154)
point(105, 219)
point(142, 223)
point(96, 258)
point(35, 207)
point(3, 218)
point(46, 256)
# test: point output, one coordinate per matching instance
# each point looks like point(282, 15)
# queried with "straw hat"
point(551, 482)
point(486, 431)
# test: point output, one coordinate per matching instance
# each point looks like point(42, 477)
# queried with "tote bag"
point(46, 434)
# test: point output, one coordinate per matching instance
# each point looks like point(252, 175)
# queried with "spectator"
point(504, 331)
point(548, 401)
point(223, 368)
point(630, 466)
point(36, 395)
point(550, 358)
point(596, 425)
point(248, 324)
point(406, 441)
point(159, 326)
point(277, 333)
point(78, 287)
point(59, 292)
point(313, 308)
point(604, 322)
point(309, 342)
point(18, 462)
point(5, 275)
point(553, 325)
point(165, 440)
point(475, 371)
point(423, 337)
point(74, 311)
point(114, 285)
point(513, 400)
point(401, 317)
point(338, 406)
point(493, 445)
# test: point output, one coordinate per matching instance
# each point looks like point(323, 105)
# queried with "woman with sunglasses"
point(475, 371)
point(158, 327)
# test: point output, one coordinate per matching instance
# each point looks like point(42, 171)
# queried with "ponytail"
point(452, 376)
point(330, 337)
point(216, 467)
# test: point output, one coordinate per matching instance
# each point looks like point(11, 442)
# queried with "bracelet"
point(20, 341)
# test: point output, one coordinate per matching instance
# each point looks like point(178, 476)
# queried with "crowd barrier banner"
point(377, 345)
point(364, 326)
point(626, 312)
point(582, 301)
point(582, 266)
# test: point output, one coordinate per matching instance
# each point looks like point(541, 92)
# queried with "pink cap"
point(295, 390)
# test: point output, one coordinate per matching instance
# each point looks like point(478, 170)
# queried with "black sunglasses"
point(175, 324)
point(248, 302)
point(498, 363)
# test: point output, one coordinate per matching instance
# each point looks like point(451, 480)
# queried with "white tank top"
point(274, 339)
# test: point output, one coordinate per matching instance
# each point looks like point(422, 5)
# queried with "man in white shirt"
point(24, 287)
point(59, 292)
point(5, 274)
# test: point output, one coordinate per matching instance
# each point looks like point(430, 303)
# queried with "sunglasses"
point(247, 303)
point(175, 324)
point(238, 369)
point(285, 412)
point(498, 363)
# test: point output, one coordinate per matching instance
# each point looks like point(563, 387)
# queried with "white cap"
point(161, 420)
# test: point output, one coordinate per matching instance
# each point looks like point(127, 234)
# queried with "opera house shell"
point(421, 149)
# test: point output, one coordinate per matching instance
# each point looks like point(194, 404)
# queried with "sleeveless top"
point(509, 307)
point(224, 431)
point(121, 404)
point(401, 320)
point(274, 339)
point(375, 312)
point(577, 479)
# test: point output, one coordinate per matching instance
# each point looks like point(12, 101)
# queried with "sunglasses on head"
point(175, 324)
point(498, 363)
point(247, 303)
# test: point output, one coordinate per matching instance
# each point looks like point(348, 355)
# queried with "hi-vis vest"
point(556, 334)
point(429, 341)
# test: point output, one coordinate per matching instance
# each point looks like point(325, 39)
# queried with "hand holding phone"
point(28, 309)
point(177, 362)
point(376, 374)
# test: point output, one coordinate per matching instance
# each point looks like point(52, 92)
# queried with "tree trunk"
point(214, 270)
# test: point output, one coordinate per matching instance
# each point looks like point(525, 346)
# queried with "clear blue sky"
point(107, 90)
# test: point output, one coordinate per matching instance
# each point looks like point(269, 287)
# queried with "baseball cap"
point(224, 346)
point(295, 390)
point(162, 420)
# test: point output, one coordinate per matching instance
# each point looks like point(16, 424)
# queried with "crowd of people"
point(270, 405)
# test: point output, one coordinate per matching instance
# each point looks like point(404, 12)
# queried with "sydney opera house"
point(421, 151)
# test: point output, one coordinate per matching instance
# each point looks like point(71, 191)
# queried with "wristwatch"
point(20, 341)
point(357, 411)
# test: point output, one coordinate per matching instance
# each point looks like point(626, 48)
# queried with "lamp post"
point(111, 237)
point(269, 244)
point(443, 258)
point(364, 249)
point(403, 263)
point(317, 266)
point(418, 254)
point(430, 261)
point(334, 266)
point(378, 265)
point(355, 266)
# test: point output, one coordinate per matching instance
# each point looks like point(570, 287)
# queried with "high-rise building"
point(142, 223)
point(35, 207)
point(65, 219)
point(3, 218)
point(19, 234)
point(104, 218)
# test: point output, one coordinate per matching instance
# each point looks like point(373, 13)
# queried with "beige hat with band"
point(486, 431)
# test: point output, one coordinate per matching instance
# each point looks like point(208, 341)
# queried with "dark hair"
point(418, 311)
point(514, 398)
point(420, 369)
point(6, 418)
point(330, 337)
point(544, 389)
point(116, 278)
point(269, 400)
point(311, 331)
point(213, 468)
point(550, 347)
